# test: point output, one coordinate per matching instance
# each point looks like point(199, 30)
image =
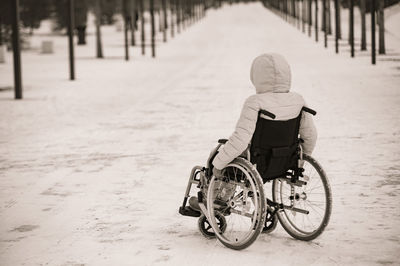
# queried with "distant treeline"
point(32, 12)
point(387, 3)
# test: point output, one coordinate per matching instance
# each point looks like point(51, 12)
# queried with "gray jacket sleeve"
point(242, 135)
point(308, 133)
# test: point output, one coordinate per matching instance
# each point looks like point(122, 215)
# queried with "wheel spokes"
point(308, 197)
point(242, 214)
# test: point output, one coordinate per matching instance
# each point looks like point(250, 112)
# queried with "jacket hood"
point(270, 73)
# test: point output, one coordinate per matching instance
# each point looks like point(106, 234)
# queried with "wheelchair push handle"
point(309, 110)
point(222, 141)
point(269, 114)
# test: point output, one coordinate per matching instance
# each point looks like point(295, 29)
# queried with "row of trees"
point(364, 7)
point(32, 12)
point(72, 14)
point(303, 12)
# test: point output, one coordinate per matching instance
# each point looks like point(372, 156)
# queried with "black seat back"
point(274, 146)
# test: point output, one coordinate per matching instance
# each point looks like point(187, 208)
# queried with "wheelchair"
point(235, 210)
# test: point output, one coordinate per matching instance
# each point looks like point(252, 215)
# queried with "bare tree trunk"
point(292, 12)
point(351, 9)
point(325, 23)
point(284, 9)
point(381, 22)
point(363, 26)
point(142, 26)
point(349, 37)
point(295, 13)
point(99, 48)
point(337, 22)
point(316, 20)
point(309, 17)
point(1, 32)
point(133, 22)
point(303, 15)
point(165, 8)
point(126, 17)
point(178, 16)
point(153, 29)
point(172, 6)
point(323, 15)
point(165, 19)
point(340, 22)
point(299, 16)
point(328, 16)
point(373, 24)
point(160, 21)
point(297, 10)
point(81, 35)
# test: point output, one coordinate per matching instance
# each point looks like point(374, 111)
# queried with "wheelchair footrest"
point(187, 211)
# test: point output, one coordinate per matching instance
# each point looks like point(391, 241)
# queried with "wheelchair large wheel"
point(314, 197)
point(239, 197)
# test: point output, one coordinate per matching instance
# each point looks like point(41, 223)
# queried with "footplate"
point(187, 211)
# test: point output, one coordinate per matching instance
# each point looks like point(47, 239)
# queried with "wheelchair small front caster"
point(205, 226)
point(271, 221)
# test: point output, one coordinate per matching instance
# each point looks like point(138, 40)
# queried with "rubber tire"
point(259, 183)
point(328, 196)
point(272, 226)
point(207, 234)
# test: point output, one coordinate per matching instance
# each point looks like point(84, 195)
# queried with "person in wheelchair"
point(271, 77)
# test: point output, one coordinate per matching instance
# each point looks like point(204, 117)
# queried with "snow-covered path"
point(92, 172)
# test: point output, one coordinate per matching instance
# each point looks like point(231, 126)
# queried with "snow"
point(93, 171)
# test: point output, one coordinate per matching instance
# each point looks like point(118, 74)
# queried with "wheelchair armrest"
point(222, 141)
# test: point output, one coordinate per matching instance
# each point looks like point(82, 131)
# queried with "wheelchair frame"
point(205, 177)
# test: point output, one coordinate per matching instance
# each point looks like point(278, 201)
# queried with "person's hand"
point(217, 173)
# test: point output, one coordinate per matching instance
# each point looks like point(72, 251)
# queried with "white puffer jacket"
point(271, 76)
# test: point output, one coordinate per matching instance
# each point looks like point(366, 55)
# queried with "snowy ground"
point(92, 171)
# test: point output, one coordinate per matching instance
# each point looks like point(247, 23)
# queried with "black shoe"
point(218, 205)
